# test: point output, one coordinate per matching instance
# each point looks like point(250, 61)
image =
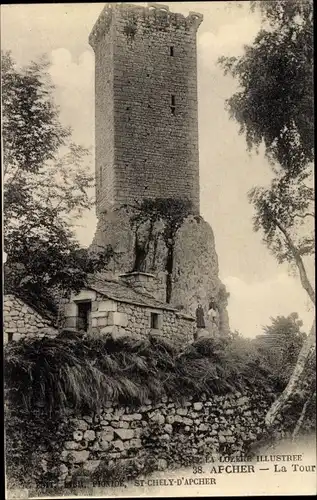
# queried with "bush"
point(84, 373)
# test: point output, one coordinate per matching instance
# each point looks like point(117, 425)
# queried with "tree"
point(46, 187)
point(281, 343)
point(274, 107)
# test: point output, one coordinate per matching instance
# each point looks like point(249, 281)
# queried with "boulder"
point(124, 434)
point(89, 435)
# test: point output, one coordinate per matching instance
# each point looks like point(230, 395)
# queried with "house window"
point(10, 337)
point(171, 50)
point(173, 106)
point(154, 321)
point(83, 315)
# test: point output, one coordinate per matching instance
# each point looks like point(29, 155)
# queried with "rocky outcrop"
point(193, 275)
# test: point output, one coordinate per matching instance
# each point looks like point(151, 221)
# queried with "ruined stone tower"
point(146, 104)
point(146, 129)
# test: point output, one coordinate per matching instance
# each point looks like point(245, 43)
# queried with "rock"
point(230, 439)
point(132, 416)
point(87, 419)
point(72, 445)
point(78, 435)
point(91, 465)
point(135, 443)
point(168, 428)
point(203, 427)
point(78, 457)
point(106, 435)
point(165, 437)
point(89, 435)
point(162, 464)
point(197, 406)
point(118, 445)
point(187, 421)
point(160, 419)
point(100, 446)
point(170, 419)
point(63, 468)
point(124, 434)
point(124, 425)
point(80, 425)
point(242, 401)
point(182, 411)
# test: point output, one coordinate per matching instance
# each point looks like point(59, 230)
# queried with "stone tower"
point(147, 149)
point(146, 105)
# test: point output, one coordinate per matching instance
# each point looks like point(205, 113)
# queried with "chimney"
point(146, 283)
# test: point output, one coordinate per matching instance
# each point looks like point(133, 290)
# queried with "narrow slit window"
point(173, 106)
point(171, 50)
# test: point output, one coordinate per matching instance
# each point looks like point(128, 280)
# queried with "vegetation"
point(84, 373)
point(47, 182)
point(47, 379)
point(274, 107)
point(280, 344)
point(169, 212)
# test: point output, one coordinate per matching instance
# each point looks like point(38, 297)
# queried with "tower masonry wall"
point(146, 105)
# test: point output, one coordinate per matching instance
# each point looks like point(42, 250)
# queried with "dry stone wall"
point(168, 433)
point(21, 321)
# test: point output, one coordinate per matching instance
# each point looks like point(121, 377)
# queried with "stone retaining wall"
point(168, 432)
point(20, 321)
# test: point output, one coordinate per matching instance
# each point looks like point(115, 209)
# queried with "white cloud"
point(251, 305)
point(74, 81)
point(228, 40)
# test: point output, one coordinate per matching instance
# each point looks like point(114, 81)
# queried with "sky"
point(259, 287)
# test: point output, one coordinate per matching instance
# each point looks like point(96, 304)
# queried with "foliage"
point(280, 344)
point(285, 214)
point(33, 443)
point(168, 212)
point(274, 107)
point(46, 187)
point(275, 101)
point(85, 373)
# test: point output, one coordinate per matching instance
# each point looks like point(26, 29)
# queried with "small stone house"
point(22, 319)
point(125, 306)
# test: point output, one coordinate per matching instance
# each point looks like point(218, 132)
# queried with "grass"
point(84, 373)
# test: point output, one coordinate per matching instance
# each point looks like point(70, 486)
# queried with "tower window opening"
point(171, 51)
point(173, 106)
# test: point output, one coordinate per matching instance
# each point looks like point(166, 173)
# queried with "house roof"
point(122, 292)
